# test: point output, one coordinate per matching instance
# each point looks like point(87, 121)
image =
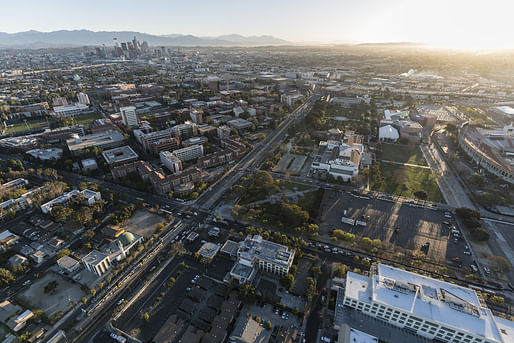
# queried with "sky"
point(471, 24)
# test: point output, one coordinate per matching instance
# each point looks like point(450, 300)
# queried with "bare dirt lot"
point(143, 223)
point(65, 294)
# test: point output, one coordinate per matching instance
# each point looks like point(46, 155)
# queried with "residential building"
point(291, 99)
point(223, 131)
point(170, 161)
point(17, 260)
point(129, 116)
point(189, 153)
point(434, 309)
point(14, 184)
point(90, 197)
point(196, 116)
point(216, 158)
point(185, 131)
point(194, 140)
point(96, 262)
point(162, 184)
point(83, 98)
point(120, 155)
point(234, 145)
point(99, 125)
point(102, 140)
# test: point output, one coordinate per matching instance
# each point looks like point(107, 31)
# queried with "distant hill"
point(63, 38)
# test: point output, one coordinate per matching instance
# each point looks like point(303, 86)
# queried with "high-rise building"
point(190, 153)
point(196, 116)
point(83, 98)
point(185, 131)
point(129, 116)
point(170, 161)
point(223, 131)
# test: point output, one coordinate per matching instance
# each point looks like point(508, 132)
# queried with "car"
point(188, 289)
point(26, 283)
point(120, 302)
point(467, 252)
point(487, 270)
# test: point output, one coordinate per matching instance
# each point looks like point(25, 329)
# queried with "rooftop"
point(436, 300)
point(94, 257)
point(100, 139)
point(256, 247)
point(120, 154)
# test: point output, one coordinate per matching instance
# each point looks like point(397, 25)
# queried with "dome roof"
point(126, 238)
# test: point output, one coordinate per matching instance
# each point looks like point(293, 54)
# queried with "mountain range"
point(69, 38)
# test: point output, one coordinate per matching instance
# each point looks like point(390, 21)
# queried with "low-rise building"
point(121, 155)
point(434, 309)
point(102, 140)
point(70, 110)
point(216, 158)
point(89, 164)
point(96, 262)
point(68, 264)
point(90, 197)
point(240, 124)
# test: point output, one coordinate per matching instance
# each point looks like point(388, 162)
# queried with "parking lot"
point(268, 313)
point(396, 224)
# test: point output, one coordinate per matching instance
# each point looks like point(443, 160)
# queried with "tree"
point(63, 252)
point(340, 270)
point(499, 264)
point(287, 281)
point(178, 249)
point(88, 235)
point(6, 277)
point(84, 300)
point(146, 317)
point(268, 325)
point(310, 287)
point(315, 270)
point(50, 287)
point(92, 291)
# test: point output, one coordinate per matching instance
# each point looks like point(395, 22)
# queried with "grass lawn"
point(405, 181)
point(86, 118)
point(34, 124)
point(402, 153)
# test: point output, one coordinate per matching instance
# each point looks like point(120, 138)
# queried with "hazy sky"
point(455, 23)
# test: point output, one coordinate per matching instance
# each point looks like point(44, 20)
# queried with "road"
point(209, 198)
point(102, 311)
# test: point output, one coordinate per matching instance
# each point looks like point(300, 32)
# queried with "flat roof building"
point(266, 255)
point(96, 262)
point(120, 155)
point(102, 140)
point(189, 153)
point(427, 307)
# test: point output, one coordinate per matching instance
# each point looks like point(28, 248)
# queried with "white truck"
point(349, 221)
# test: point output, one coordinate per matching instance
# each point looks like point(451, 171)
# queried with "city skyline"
point(459, 24)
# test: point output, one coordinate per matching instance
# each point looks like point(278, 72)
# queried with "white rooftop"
point(438, 301)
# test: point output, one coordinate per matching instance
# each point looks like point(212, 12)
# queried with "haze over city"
point(256, 171)
point(456, 24)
